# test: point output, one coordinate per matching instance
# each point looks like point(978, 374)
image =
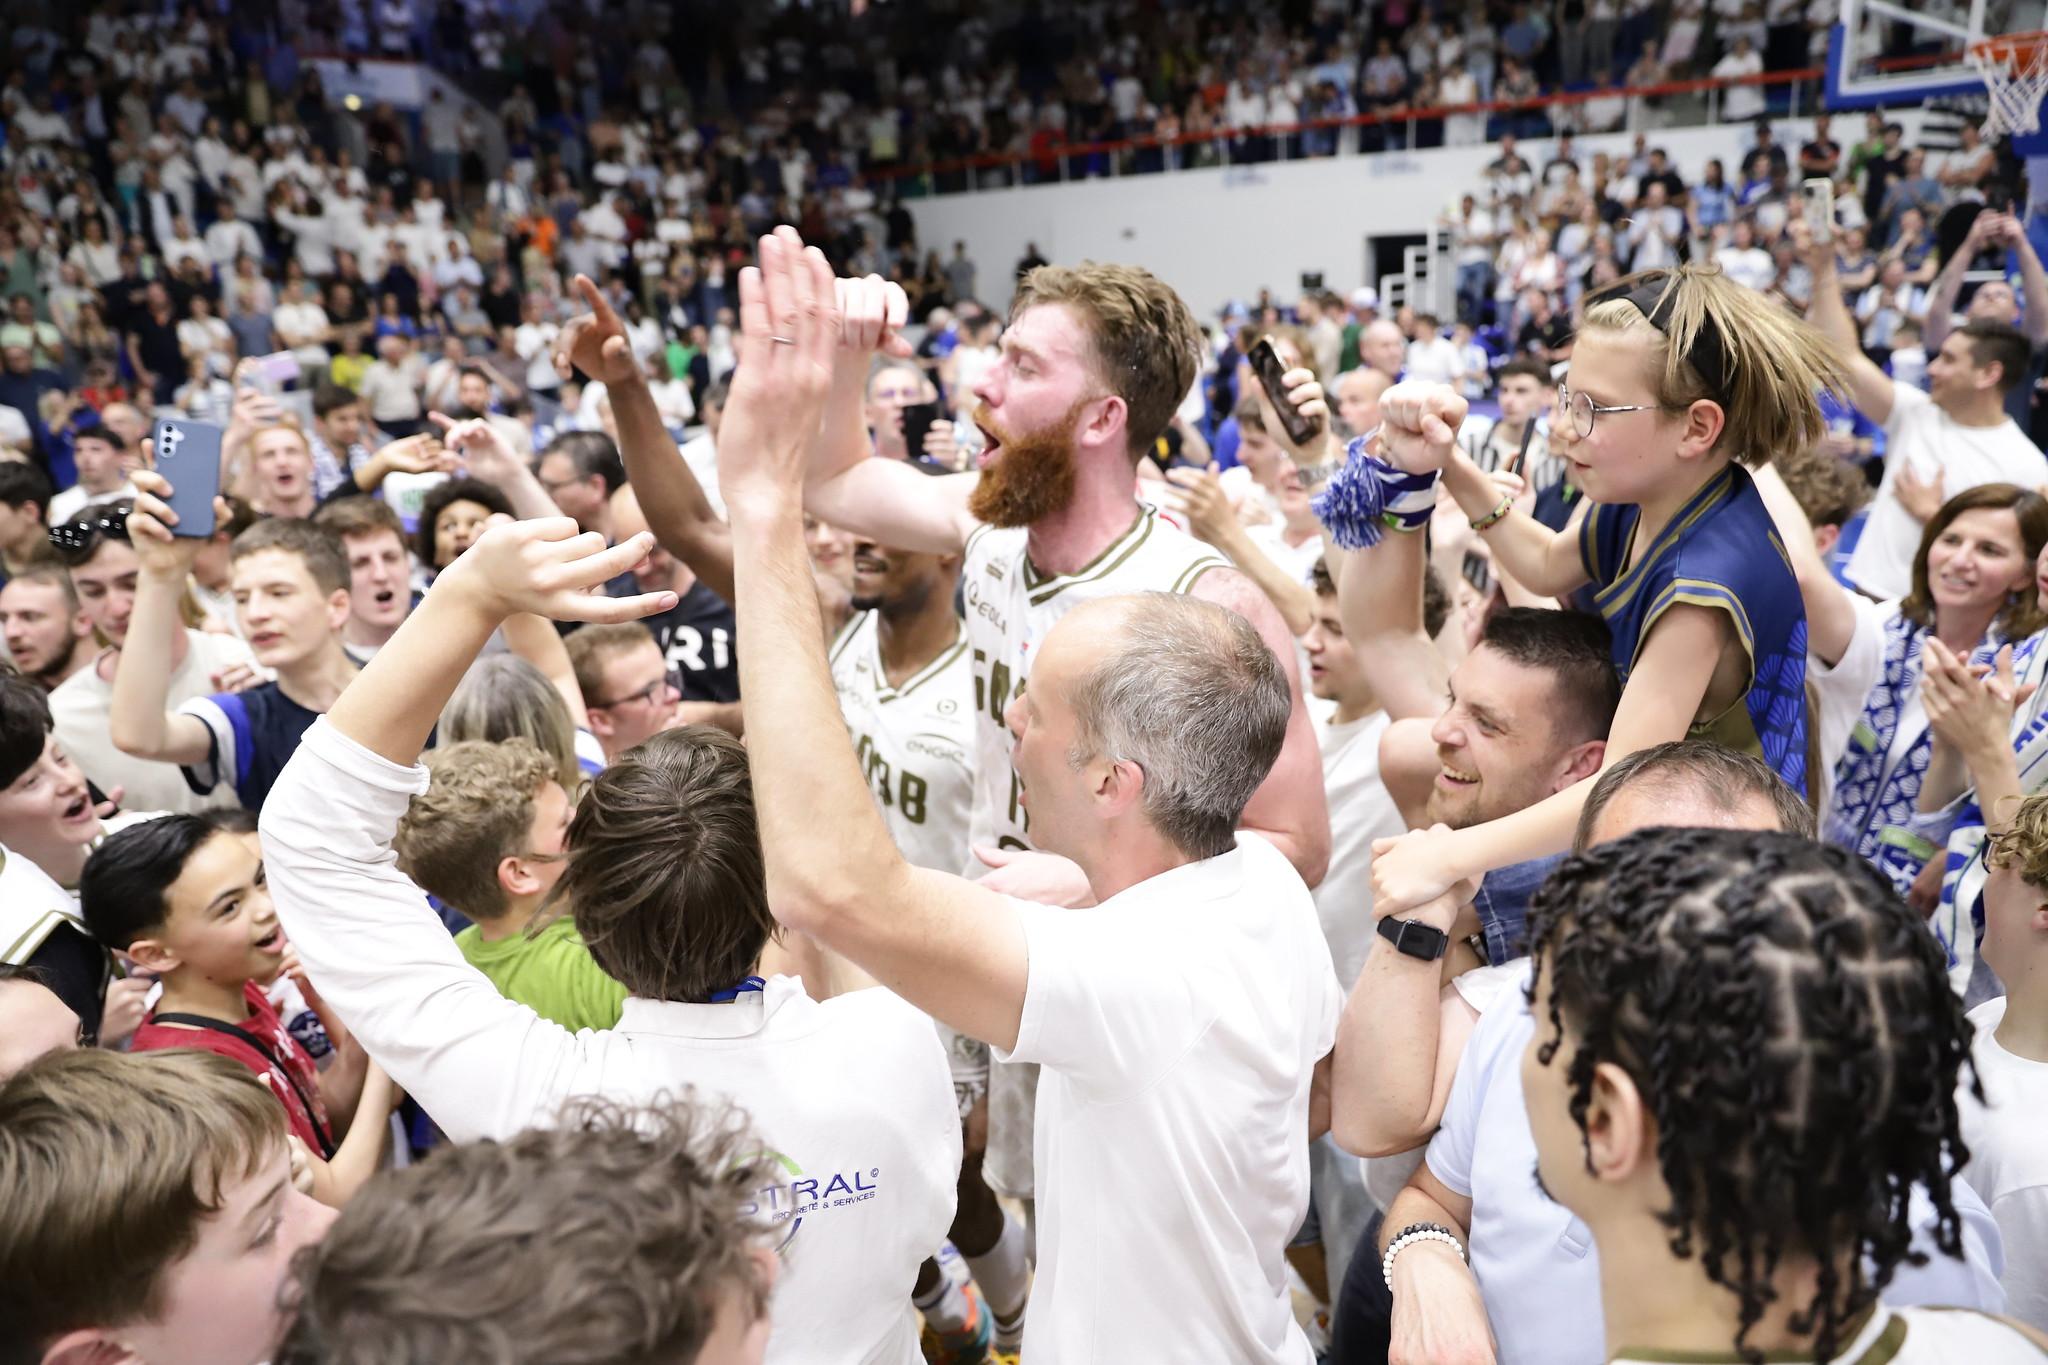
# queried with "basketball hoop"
point(2015, 71)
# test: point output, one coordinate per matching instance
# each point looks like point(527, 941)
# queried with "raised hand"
point(1419, 424)
point(1819, 254)
point(478, 446)
point(546, 567)
point(596, 343)
point(1306, 397)
point(252, 408)
point(872, 311)
point(161, 553)
point(1198, 495)
point(789, 333)
point(421, 454)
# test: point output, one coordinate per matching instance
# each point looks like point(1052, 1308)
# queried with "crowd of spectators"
point(1575, 221)
point(467, 636)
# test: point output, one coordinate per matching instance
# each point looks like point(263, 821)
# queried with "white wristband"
point(1410, 1238)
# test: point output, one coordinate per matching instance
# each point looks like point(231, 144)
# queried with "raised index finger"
point(599, 306)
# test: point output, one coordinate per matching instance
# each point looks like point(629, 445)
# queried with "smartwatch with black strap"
point(1414, 938)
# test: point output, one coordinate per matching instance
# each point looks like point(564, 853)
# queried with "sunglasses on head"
point(79, 538)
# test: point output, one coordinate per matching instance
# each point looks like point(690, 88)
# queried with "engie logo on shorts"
point(805, 1196)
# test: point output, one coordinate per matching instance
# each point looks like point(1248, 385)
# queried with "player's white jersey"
point(1010, 608)
point(915, 742)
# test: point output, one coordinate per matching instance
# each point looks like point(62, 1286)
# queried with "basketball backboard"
point(1866, 66)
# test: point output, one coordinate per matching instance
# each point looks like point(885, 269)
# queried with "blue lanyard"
point(732, 993)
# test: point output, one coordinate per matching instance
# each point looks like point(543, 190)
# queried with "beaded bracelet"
point(1507, 505)
point(1409, 1236)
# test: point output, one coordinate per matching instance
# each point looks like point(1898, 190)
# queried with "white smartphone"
point(1819, 194)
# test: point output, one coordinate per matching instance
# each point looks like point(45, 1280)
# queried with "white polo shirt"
point(1178, 1024)
point(1535, 1261)
point(852, 1094)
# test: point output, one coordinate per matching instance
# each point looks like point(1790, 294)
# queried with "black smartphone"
point(1266, 365)
point(188, 456)
point(917, 423)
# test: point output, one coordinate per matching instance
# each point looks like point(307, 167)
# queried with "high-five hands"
point(790, 330)
point(544, 566)
point(873, 311)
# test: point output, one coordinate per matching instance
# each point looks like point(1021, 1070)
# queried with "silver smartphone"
point(1819, 194)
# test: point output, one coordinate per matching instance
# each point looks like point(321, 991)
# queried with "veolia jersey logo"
point(804, 1196)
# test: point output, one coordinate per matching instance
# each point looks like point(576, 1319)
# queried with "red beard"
point(1033, 476)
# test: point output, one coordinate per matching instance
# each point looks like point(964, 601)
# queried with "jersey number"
point(906, 792)
point(993, 692)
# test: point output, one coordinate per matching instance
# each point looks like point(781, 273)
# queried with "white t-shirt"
point(69, 502)
point(80, 708)
point(1435, 359)
point(1177, 1025)
point(700, 453)
point(393, 391)
point(1752, 266)
point(2009, 1160)
point(1535, 1260)
point(851, 1094)
point(1912, 1336)
point(535, 343)
point(1966, 457)
point(302, 319)
point(1360, 812)
point(1740, 102)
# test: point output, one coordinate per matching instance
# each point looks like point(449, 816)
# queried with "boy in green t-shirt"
point(487, 837)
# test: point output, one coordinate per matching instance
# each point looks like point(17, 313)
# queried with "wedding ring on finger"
point(783, 341)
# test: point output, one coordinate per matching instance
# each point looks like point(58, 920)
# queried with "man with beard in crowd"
point(48, 638)
point(1093, 364)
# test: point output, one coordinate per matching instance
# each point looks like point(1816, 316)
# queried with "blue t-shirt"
point(252, 735)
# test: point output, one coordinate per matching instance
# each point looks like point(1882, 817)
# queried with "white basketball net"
point(2016, 76)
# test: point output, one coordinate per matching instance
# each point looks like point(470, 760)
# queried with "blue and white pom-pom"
point(1368, 495)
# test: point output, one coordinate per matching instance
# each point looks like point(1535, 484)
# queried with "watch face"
point(1414, 938)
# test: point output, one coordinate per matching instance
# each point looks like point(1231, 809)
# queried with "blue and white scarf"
point(1873, 810)
point(1958, 921)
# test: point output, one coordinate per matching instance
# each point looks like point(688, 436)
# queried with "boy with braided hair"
point(1743, 1072)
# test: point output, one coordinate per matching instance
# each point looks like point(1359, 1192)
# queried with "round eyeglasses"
point(1579, 411)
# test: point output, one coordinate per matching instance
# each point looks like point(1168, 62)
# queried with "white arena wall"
point(1223, 233)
